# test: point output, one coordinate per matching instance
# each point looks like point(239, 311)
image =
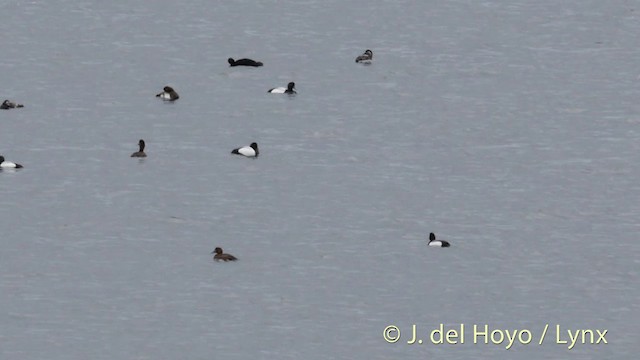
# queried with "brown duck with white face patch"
point(221, 256)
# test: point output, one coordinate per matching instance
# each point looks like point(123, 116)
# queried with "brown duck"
point(220, 256)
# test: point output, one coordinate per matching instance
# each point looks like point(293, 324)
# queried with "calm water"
point(509, 128)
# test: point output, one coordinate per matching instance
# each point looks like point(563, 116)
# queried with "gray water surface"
point(509, 128)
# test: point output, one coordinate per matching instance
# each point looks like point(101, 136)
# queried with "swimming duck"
point(290, 89)
point(168, 94)
point(8, 104)
point(365, 58)
point(248, 151)
point(140, 153)
point(8, 164)
point(244, 62)
point(437, 243)
point(220, 256)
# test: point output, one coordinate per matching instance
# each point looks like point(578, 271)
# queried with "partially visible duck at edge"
point(365, 58)
point(140, 153)
point(221, 256)
point(8, 164)
point(244, 62)
point(168, 94)
point(437, 243)
point(8, 104)
point(248, 151)
point(290, 89)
